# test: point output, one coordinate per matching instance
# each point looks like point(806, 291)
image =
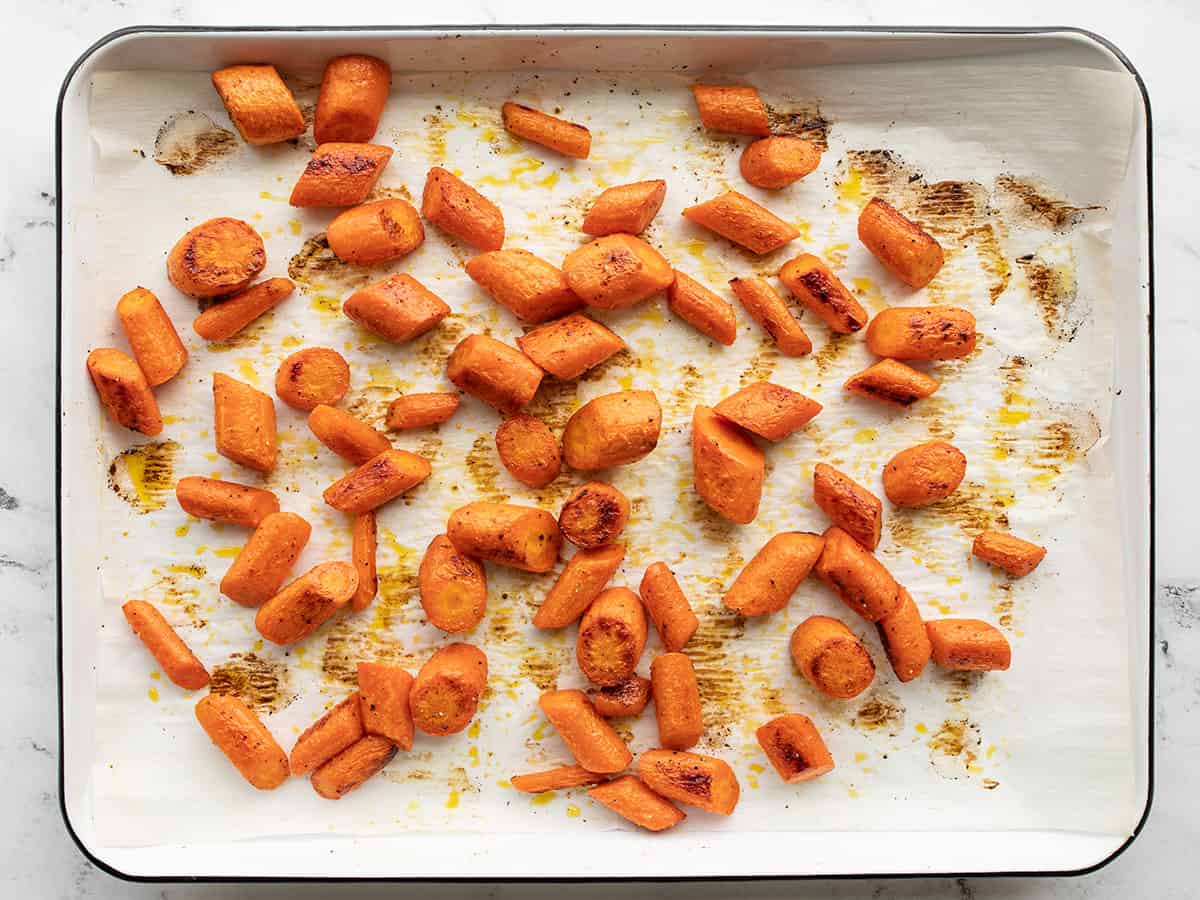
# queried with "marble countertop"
point(38, 859)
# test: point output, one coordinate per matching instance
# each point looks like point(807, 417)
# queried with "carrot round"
point(727, 468)
point(224, 501)
point(529, 450)
point(264, 562)
point(167, 647)
point(594, 515)
point(922, 332)
point(668, 607)
point(461, 211)
point(906, 249)
point(453, 587)
point(616, 271)
point(307, 603)
point(352, 439)
point(553, 133)
point(159, 352)
point(739, 219)
point(348, 770)
point(831, 658)
point(795, 748)
point(612, 635)
point(244, 424)
point(764, 305)
point(857, 577)
point(924, 474)
point(892, 382)
point(340, 174)
point(376, 232)
point(446, 692)
point(377, 481)
point(580, 582)
point(244, 739)
point(731, 108)
point(384, 692)
point(124, 391)
point(499, 375)
point(968, 644)
point(848, 504)
point(629, 798)
point(223, 320)
point(702, 309)
point(570, 346)
point(690, 778)
point(676, 701)
point(218, 257)
point(612, 430)
point(312, 377)
point(1015, 556)
point(354, 91)
point(769, 410)
point(823, 294)
point(327, 737)
point(556, 779)
point(625, 698)
point(528, 287)
point(902, 633)
point(259, 103)
point(398, 308)
point(625, 209)
point(521, 537)
point(776, 162)
point(363, 541)
point(421, 410)
point(767, 582)
point(591, 740)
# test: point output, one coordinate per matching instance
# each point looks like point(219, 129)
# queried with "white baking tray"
point(741, 853)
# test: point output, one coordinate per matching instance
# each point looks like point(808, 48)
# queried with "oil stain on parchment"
point(483, 471)
point(620, 360)
point(370, 404)
point(762, 364)
point(1036, 202)
point(263, 684)
point(316, 269)
point(542, 663)
point(554, 402)
point(177, 586)
point(880, 712)
point(959, 685)
point(144, 476)
point(722, 684)
point(1051, 280)
point(434, 348)
point(954, 748)
point(801, 121)
point(190, 141)
point(992, 260)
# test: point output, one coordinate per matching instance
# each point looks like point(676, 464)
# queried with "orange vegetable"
point(892, 382)
point(557, 779)
point(244, 739)
point(167, 647)
point(446, 692)
point(307, 603)
point(224, 501)
point(360, 761)
point(521, 537)
point(668, 607)
point(363, 538)
point(581, 581)
point(924, 474)
point(625, 698)
point(495, 373)
point(769, 410)
point(352, 439)
point(922, 332)
point(702, 309)
point(453, 587)
point(570, 346)
point(616, 271)
point(398, 309)
point(528, 287)
point(156, 345)
point(902, 633)
point(591, 740)
point(529, 450)
point(968, 644)
point(732, 108)
point(262, 108)
point(558, 135)
point(461, 211)
point(354, 91)
point(340, 174)
point(857, 577)
point(594, 515)
point(379, 480)
point(1012, 554)
point(421, 410)
point(690, 778)
point(216, 258)
point(244, 424)
point(612, 430)
point(124, 391)
point(376, 232)
point(312, 377)
point(767, 582)
point(848, 504)
point(629, 798)
point(906, 249)
point(831, 658)
point(764, 305)
point(384, 702)
point(795, 748)
point(727, 467)
point(260, 568)
point(737, 218)
point(676, 701)
point(223, 320)
point(776, 162)
point(626, 208)
point(823, 294)
point(612, 635)
point(327, 737)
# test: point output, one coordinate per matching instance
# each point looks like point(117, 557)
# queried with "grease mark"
point(263, 684)
point(144, 475)
point(190, 141)
point(805, 122)
point(315, 266)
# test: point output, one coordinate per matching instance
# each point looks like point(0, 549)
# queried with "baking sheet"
point(1006, 165)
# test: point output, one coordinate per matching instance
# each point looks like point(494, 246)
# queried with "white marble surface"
point(37, 859)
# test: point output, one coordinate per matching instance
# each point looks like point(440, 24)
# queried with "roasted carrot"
point(857, 577)
point(767, 582)
point(446, 692)
point(594, 515)
point(461, 211)
point(384, 694)
point(612, 635)
point(795, 748)
point(340, 174)
point(764, 305)
point(668, 607)
point(902, 633)
point(262, 108)
point(421, 410)
point(629, 798)
point(363, 540)
point(581, 581)
point(307, 603)
point(260, 568)
point(570, 346)
point(244, 424)
point(924, 474)
point(244, 739)
point(557, 779)
point(363, 759)
point(968, 644)
point(352, 439)
point(398, 308)
point(732, 108)
point(892, 382)
point(124, 391)
point(528, 287)
point(224, 501)
point(223, 320)
point(553, 133)
point(769, 410)
point(625, 698)
point(676, 701)
point(521, 537)
point(922, 332)
point(354, 91)
point(616, 271)
point(690, 778)
point(379, 480)
point(167, 647)
point(529, 450)
point(499, 375)
point(739, 219)
point(376, 232)
point(312, 377)
point(776, 162)
point(591, 740)
point(727, 468)
point(906, 249)
point(831, 658)
point(453, 587)
point(159, 352)
point(612, 430)
point(848, 504)
point(702, 309)
point(216, 258)
point(1015, 556)
point(325, 738)
point(626, 208)
point(823, 294)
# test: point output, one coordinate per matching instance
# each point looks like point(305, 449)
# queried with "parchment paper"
point(1014, 168)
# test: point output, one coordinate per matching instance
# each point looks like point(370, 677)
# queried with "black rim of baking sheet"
point(649, 30)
